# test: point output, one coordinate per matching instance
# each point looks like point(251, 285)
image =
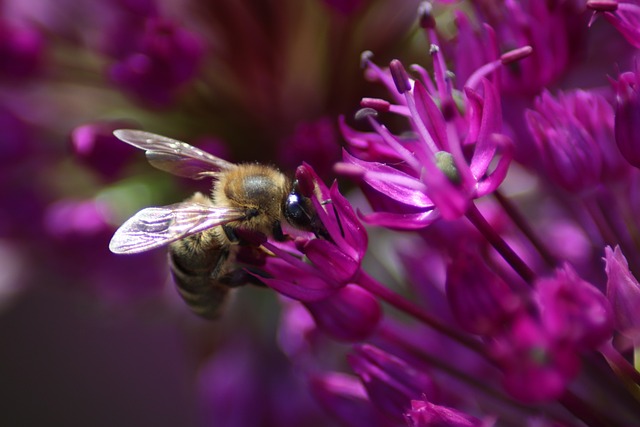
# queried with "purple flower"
point(425, 414)
point(345, 399)
point(536, 367)
point(311, 269)
point(623, 292)
point(627, 116)
point(97, 147)
point(76, 217)
point(444, 163)
point(573, 310)
point(351, 314)
point(481, 301)
point(596, 114)
point(568, 154)
point(624, 15)
point(159, 63)
point(21, 51)
point(391, 382)
point(554, 30)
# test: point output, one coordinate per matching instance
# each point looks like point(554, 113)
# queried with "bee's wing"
point(158, 226)
point(171, 155)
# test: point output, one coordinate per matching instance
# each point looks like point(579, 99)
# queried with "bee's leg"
point(278, 234)
point(231, 234)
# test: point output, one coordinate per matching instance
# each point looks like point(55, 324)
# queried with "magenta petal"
point(332, 261)
point(295, 283)
point(393, 190)
point(355, 235)
point(306, 289)
point(490, 183)
point(452, 201)
point(431, 116)
point(487, 123)
point(396, 221)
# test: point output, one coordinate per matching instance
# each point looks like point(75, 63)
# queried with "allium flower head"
point(445, 162)
point(553, 29)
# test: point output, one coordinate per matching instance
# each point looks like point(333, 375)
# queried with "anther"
point(602, 5)
point(425, 15)
point(375, 103)
point(400, 77)
point(516, 55)
point(363, 113)
point(365, 58)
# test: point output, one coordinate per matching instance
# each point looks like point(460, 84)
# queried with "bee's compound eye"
point(297, 211)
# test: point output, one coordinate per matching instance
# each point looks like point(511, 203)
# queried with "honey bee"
point(203, 232)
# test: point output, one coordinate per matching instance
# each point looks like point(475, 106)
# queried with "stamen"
point(365, 58)
point(425, 15)
point(516, 54)
point(376, 104)
point(400, 77)
point(602, 5)
point(507, 58)
point(365, 113)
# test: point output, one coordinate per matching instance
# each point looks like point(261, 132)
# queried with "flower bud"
point(574, 310)
point(536, 367)
point(623, 292)
point(344, 397)
point(22, 50)
point(391, 382)
point(480, 300)
point(351, 314)
point(627, 118)
point(569, 155)
point(96, 146)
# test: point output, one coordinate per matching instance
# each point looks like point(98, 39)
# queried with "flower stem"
point(521, 222)
point(483, 226)
point(372, 285)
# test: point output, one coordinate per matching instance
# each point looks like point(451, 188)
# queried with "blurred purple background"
point(88, 338)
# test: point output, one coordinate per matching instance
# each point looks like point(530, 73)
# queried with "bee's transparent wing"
point(158, 226)
point(171, 155)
